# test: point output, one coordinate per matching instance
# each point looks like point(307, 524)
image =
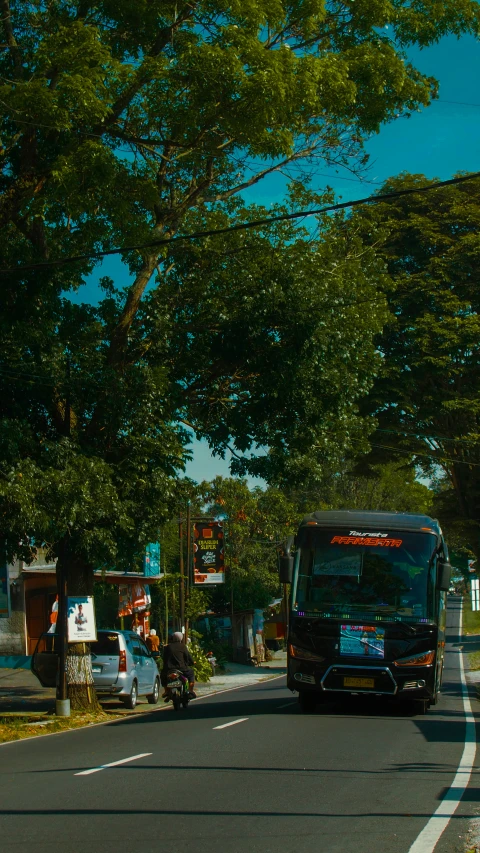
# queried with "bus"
point(367, 607)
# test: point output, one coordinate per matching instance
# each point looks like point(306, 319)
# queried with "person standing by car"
point(153, 642)
point(177, 658)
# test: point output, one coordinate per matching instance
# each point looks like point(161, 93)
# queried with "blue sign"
point(151, 560)
point(4, 589)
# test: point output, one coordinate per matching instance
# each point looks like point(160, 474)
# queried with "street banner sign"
point(208, 553)
point(151, 560)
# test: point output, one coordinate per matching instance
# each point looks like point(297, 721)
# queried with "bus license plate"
point(358, 682)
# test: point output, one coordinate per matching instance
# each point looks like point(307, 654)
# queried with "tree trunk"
point(81, 690)
point(79, 577)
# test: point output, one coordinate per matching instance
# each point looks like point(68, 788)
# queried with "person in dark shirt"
point(177, 658)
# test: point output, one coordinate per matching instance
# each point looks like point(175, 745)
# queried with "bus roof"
point(358, 519)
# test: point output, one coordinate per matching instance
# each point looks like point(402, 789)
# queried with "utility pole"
point(182, 576)
point(62, 704)
point(166, 600)
point(189, 560)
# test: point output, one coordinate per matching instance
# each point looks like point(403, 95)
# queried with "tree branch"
point(222, 196)
point(11, 40)
point(143, 74)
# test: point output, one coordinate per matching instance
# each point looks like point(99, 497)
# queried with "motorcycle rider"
point(177, 658)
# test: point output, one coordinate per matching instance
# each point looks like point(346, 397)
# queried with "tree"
point(130, 122)
point(391, 487)
point(426, 398)
point(256, 524)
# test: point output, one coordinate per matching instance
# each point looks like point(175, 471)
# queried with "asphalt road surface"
point(241, 772)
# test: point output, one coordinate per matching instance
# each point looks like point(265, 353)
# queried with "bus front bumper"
point(415, 683)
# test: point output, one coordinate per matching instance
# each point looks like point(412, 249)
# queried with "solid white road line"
point(430, 834)
point(113, 764)
point(226, 725)
point(279, 707)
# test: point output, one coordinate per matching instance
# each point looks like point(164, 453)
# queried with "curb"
point(135, 716)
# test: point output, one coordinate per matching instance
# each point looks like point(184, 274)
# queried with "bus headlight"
point(425, 659)
point(303, 654)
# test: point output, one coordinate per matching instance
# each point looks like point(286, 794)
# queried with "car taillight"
point(122, 666)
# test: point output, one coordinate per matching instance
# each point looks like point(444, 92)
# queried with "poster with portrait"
point(81, 619)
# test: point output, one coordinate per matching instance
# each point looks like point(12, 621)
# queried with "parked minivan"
point(123, 666)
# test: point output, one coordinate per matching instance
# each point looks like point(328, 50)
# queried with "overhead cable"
point(243, 226)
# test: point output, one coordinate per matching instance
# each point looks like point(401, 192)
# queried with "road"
point(358, 777)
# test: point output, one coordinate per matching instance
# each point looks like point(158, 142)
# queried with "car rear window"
point(106, 644)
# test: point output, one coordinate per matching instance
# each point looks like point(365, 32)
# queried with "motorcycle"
point(177, 690)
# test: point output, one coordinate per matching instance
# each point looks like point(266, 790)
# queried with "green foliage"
point(106, 605)
point(196, 603)
point(427, 397)
point(391, 487)
point(202, 668)
point(125, 122)
point(255, 524)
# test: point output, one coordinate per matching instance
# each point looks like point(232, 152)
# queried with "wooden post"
point(189, 558)
point(182, 577)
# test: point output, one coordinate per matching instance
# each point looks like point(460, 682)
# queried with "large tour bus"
point(367, 606)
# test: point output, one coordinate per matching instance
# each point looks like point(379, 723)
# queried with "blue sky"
point(439, 141)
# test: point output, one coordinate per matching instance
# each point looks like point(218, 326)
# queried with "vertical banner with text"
point(208, 552)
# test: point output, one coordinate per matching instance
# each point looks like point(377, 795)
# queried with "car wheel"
point(131, 699)
point(153, 697)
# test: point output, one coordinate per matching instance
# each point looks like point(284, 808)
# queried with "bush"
point(221, 651)
point(201, 666)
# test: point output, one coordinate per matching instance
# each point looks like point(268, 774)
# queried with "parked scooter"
point(177, 690)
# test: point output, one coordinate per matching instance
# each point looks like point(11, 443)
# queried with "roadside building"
point(33, 604)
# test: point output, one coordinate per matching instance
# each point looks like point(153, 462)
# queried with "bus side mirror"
point(444, 570)
point(285, 568)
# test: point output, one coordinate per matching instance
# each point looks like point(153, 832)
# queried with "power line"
point(430, 437)
point(427, 455)
point(243, 226)
point(457, 103)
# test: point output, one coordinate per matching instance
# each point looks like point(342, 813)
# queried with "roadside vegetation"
point(471, 620)
point(18, 727)
point(334, 359)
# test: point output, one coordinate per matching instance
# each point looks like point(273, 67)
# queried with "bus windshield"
point(365, 573)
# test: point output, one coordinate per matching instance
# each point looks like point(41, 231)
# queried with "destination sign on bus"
point(375, 541)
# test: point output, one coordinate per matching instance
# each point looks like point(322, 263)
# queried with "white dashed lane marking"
point(112, 764)
point(234, 723)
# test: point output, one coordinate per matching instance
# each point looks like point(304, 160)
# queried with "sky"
point(438, 142)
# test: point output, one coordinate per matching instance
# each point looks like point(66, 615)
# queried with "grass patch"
point(18, 727)
point(471, 620)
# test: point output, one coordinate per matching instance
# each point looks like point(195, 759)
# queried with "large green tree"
point(427, 396)
point(125, 122)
